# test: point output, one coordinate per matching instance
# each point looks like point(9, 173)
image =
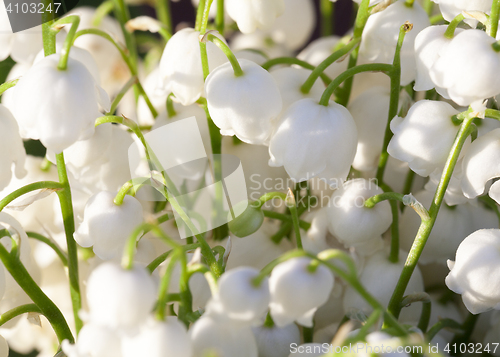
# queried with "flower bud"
point(245, 106)
point(107, 226)
point(475, 273)
point(248, 222)
point(354, 224)
point(120, 298)
point(297, 292)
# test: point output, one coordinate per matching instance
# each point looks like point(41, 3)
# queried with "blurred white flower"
point(275, 341)
point(11, 148)
point(475, 273)
point(318, 50)
point(96, 341)
point(315, 140)
point(253, 14)
point(119, 298)
point(451, 8)
point(245, 106)
point(107, 226)
point(296, 292)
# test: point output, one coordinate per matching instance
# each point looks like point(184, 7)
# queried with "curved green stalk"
point(219, 17)
point(74, 20)
point(494, 18)
point(425, 316)
point(308, 84)
point(29, 188)
point(51, 244)
point(292, 206)
point(19, 310)
point(427, 224)
point(285, 218)
point(292, 60)
point(441, 324)
point(450, 31)
point(238, 72)
point(8, 85)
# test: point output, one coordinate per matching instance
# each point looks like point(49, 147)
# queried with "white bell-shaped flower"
point(180, 65)
point(275, 341)
point(64, 104)
point(468, 79)
point(253, 14)
point(370, 110)
point(354, 224)
point(452, 224)
point(239, 298)
point(245, 106)
point(290, 79)
point(120, 298)
point(318, 50)
point(376, 267)
point(95, 341)
point(107, 226)
point(11, 147)
point(428, 45)
point(424, 137)
point(227, 338)
point(315, 140)
point(451, 8)
point(159, 339)
point(296, 25)
point(381, 33)
point(478, 167)
point(475, 273)
point(296, 292)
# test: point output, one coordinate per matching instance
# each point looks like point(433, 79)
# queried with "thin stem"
point(49, 36)
point(170, 106)
point(441, 324)
point(372, 201)
point(19, 310)
point(428, 5)
point(120, 196)
point(51, 244)
point(292, 206)
point(30, 287)
point(219, 17)
point(308, 84)
point(494, 18)
point(164, 285)
point(409, 3)
point(101, 12)
point(285, 218)
point(426, 226)
point(267, 197)
point(163, 13)
point(162, 257)
point(394, 100)
point(292, 60)
point(238, 72)
point(8, 85)
point(69, 229)
point(468, 328)
point(371, 67)
point(199, 15)
point(450, 31)
point(425, 316)
point(29, 188)
point(326, 9)
point(74, 20)
point(130, 83)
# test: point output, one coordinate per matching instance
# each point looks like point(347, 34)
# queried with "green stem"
point(267, 197)
point(468, 328)
point(120, 196)
point(292, 60)
point(372, 201)
point(162, 257)
point(428, 5)
point(494, 18)
point(131, 82)
point(450, 31)
point(170, 106)
point(49, 36)
point(29, 188)
point(426, 226)
point(19, 310)
point(292, 206)
point(371, 67)
point(163, 13)
point(394, 101)
point(285, 218)
point(51, 244)
point(238, 72)
point(409, 3)
point(8, 85)
point(69, 229)
point(219, 17)
point(164, 285)
point(123, 16)
point(326, 9)
point(199, 15)
point(441, 324)
point(492, 113)
point(101, 12)
point(30, 287)
point(74, 20)
point(426, 308)
point(308, 84)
